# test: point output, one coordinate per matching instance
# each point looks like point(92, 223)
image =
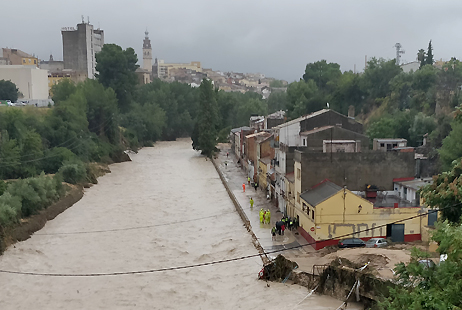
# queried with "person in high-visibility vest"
point(251, 202)
point(268, 216)
point(261, 215)
point(243, 187)
point(248, 180)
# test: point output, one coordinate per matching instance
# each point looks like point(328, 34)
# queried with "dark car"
point(351, 243)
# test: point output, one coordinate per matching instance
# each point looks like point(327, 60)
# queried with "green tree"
point(322, 73)
point(302, 98)
point(9, 157)
point(429, 59)
point(116, 69)
point(377, 76)
point(278, 83)
point(451, 149)
point(347, 93)
point(277, 101)
point(421, 57)
point(421, 125)
point(63, 90)
point(435, 287)
point(8, 91)
point(205, 132)
point(445, 193)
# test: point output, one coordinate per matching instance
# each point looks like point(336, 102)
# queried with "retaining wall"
point(242, 214)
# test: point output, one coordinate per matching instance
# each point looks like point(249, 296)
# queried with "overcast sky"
point(276, 38)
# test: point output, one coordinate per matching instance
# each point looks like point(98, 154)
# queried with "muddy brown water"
point(133, 209)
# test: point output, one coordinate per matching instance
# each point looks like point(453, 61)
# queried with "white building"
point(32, 82)
point(408, 189)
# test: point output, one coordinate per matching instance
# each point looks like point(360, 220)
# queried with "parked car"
point(427, 263)
point(351, 243)
point(376, 243)
point(9, 103)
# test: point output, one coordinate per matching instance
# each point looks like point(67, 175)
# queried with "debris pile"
point(278, 269)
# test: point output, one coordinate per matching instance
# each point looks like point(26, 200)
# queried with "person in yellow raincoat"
point(261, 215)
point(268, 216)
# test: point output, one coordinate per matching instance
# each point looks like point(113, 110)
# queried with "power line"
point(132, 228)
point(212, 262)
point(74, 145)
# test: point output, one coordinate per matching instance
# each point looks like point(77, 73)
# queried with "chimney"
point(351, 112)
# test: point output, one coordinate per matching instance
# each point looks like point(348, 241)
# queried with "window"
point(395, 145)
point(35, 61)
point(312, 215)
point(382, 144)
point(298, 173)
point(23, 61)
point(29, 60)
point(298, 197)
point(304, 142)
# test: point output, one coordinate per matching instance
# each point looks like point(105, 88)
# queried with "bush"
point(10, 209)
point(73, 172)
point(55, 159)
point(3, 186)
point(25, 197)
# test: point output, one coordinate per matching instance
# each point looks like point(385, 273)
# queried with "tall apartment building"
point(80, 47)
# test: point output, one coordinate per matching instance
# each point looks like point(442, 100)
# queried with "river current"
point(166, 208)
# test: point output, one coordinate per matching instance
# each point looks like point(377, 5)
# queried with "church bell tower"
point(147, 52)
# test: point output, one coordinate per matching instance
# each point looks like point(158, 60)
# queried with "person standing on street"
point(243, 187)
point(251, 202)
point(261, 215)
point(268, 216)
point(248, 180)
point(256, 186)
point(273, 233)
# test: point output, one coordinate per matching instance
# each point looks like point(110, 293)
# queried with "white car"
point(9, 103)
point(376, 243)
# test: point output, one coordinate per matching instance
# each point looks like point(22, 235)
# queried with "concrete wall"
point(31, 81)
point(314, 142)
point(355, 170)
point(330, 118)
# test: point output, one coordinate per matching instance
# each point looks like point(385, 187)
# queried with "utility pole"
point(398, 53)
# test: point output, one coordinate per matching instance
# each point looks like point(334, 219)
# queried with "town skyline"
point(275, 39)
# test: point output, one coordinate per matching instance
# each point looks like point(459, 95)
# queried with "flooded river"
point(152, 213)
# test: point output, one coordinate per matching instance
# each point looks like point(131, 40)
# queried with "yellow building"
point(263, 168)
point(18, 57)
point(329, 212)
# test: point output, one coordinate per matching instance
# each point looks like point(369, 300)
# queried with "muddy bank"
point(26, 227)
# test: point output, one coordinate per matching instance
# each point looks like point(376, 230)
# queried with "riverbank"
point(25, 227)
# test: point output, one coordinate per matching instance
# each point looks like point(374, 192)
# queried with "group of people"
point(290, 223)
point(265, 216)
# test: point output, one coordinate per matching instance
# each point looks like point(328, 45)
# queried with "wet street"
point(167, 208)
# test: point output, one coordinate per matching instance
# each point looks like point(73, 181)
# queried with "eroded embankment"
point(26, 227)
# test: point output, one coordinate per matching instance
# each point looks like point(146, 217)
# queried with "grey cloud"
point(277, 38)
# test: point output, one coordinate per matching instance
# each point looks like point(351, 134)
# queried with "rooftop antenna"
point(88, 19)
point(398, 53)
point(83, 20)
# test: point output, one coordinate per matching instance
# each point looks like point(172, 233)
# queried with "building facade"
point(329, 212)
point(31, 81)
point(80, 47)
point(14, 56)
